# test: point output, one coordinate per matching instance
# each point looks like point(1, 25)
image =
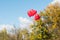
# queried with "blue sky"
point(11, 10)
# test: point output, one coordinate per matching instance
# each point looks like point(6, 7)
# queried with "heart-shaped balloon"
point(36, 17)
point(31, 12)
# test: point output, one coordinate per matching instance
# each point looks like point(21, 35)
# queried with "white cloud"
point(25, 23)
point(7, 27)
point(24, 20)
point(55, 1)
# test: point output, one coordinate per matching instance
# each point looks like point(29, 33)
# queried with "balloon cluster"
point(33, 12)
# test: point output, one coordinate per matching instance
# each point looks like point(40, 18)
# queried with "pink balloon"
point(36, 17)
point(31, 12)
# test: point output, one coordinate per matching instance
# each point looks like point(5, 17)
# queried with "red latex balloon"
point(36, 17)
point(31, 12)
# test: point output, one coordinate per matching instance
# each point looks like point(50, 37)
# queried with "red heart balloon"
point(31, 12)
point(36, 17)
